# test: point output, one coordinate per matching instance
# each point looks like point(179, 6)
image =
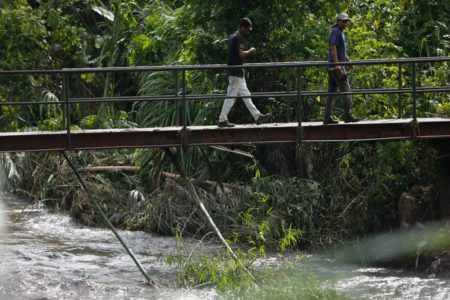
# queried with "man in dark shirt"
point(236, 77)
point(337, 75)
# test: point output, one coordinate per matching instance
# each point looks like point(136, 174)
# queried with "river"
point(50, 256)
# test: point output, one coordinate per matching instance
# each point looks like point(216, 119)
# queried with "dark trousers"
point(336, 82)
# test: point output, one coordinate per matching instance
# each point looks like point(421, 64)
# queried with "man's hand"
point(244, 54)
point(351, 67)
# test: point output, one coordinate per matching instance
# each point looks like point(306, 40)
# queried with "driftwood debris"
point(133, 169)
point(109, 169)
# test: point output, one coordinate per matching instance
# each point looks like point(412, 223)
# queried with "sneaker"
point(225, 124)
point(330, 120)
point(350, 119)
point(262, 119)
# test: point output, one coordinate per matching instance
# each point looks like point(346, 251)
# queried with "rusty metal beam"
point(401, 129)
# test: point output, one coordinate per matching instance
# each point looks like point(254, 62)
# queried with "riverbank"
point(325, 208)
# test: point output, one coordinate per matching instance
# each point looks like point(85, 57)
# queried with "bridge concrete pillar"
point(443, 180)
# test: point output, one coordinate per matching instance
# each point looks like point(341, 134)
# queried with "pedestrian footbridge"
point(411, 122)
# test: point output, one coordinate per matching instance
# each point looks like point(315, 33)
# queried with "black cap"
point(245, 22)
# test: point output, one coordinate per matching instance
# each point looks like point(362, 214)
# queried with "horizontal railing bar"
point(382, 91)
point(28, 72)
point(262, 95)
point(30, 103)
point(438, 89)
point(222, 66)
point(262, 65)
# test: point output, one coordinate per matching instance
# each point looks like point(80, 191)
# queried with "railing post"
point(177, 104)
point(299, 107)
point(185, 113)
point(288, 84)
point(66, 98)
point(414, 95)
point(288, 90)
point(400, 95)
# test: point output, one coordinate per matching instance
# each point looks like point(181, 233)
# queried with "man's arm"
point(334, 57)
point(245, 53)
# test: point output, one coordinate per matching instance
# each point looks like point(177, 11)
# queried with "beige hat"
point(342, 16)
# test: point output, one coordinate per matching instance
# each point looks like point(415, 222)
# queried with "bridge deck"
point(395, 129)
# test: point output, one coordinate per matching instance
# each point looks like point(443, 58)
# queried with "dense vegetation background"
point(311, 194)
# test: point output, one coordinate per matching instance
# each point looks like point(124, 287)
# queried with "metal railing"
point(295, 68)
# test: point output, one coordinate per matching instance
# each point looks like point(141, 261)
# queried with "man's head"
point(245, 26)
point(342, 20)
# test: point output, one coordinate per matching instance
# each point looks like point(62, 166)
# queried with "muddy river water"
point(50, 256)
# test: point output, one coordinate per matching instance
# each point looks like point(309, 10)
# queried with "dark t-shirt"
point(337, 38)
point(234, 44)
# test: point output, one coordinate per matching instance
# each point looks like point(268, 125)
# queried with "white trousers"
point(237, 85)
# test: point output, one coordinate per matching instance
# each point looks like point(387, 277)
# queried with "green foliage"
point(158, 36)
point(444, 109)
point(220, 270)
point(371, 178)
point(273, 211)
point(51, 115)
point(50, 37)
point(129, 32)
point(347, 184)
point(422, 28)
point(294, 280)
point(120, 120)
